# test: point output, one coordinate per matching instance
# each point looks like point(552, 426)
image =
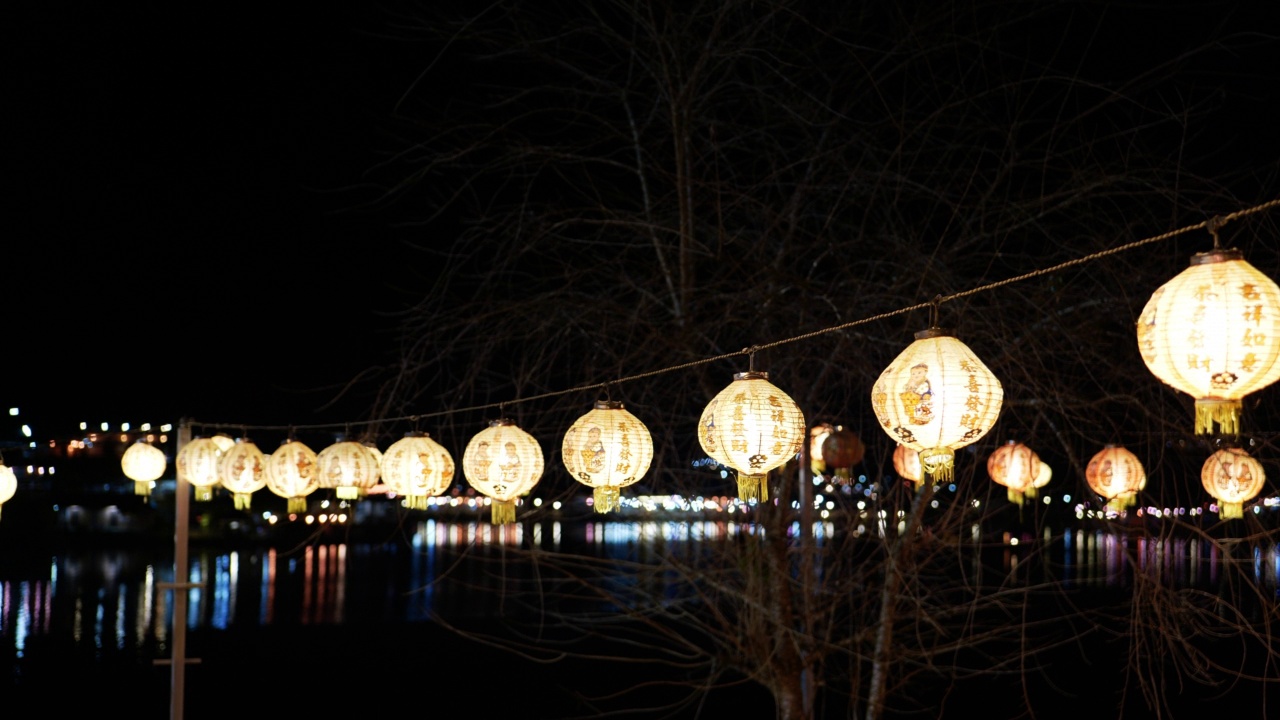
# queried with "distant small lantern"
point(292, 475)
point(935, 398)
point(502, 462)
point(348, 468)
point(756, 427)
point(1213, 332)
point(223, 441)
point(607, 449)
point(1117, 475)
point(907, 464)
point(840, 450)
point(417, 468)
point(1043, 476)
point(197, 464)
point(1233, 479)
point(1016, 467)
point(143, 463)
point(8, 484)
point(242, 470)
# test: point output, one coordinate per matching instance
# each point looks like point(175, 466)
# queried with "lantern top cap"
point(608, 405)
point(751, 375)
point(933, 332)
point(501, 421)
point(1216, 255)
point(415, 433)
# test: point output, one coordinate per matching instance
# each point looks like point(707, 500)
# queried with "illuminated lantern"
point(1015, 466)
point(1043, 476)
point(242, 470)
point(348, 468)
point(840, 450)
point(197, 463)
point(607, 449)
point(416, 468)
point(8, 483)
point(1213, 332)
point(291, 474)
point(755, 427)
point(907, 464)
point(143, 463)
point(223, 441)
point(1115, 474)
point(935, 398)
point(1233, 478)
point(502, 462)
point(707, 436)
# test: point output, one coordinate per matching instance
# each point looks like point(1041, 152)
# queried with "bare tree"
point(637, 199)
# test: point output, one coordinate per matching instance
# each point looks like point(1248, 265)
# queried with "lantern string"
point(1212, 225)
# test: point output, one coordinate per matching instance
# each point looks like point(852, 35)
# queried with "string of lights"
point(1211, 225)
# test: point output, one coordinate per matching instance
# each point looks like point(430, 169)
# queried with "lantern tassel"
point(1226, 413)
point(938, 464)
point(1016, 497)
point(142, 487)
point(348, 492)
point(504, 511)
point(753, 487)
point(1231, 510)
point(204, 493)
point(415, 502)
point(297, 505)
point(242, 501)
point(606, 498)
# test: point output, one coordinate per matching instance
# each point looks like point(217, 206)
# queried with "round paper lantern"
point(607, 449)
point(8, 483)
point(1043, 476)
point(1115, 474)
point(755, 427)
point(243, 471)
point(1233, 478)
point(143, 463)
point(223, 441)
point(907, 464)
point(840, 450)
point(502, 462)
point(348, 468)
point(707, 437)
point(1015, 466)
point(935, 398)
point(197, 464)
point(416, 468)
point(1213, 332)
point(291, 474)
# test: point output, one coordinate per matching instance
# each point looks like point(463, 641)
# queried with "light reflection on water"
point(113, 600)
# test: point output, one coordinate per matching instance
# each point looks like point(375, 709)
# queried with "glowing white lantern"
point(242, 470)
point(1015, 466)
point(1233, 478)
point(1043, 476)
point(348, 468)
point(502, 462)
point(935, 398)
point(8, 484)
point(607, 449)
point(755, 427)
point(143, 463)
point(223, 441)
point(1213, 332)
point(198, 465)
point(291, 474)
point(1117, 475)
point(416, 468)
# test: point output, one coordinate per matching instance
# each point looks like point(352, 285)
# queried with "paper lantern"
point(840, 450)
point(8, 484)
point(707, 437)
point(502, 462)
point(1233, 478)
point(1015, 466)
point(607, 449)
point(1213, 332)
point(242, 470)
point(348, 468)
point(416, 468)
point(197, 464)
point(755, 427)
point(935, 398)
point(907, 464)
point(1115, 474)
point(143, 463)
point(223, 441)
point(1043, 476)
point(292, 474)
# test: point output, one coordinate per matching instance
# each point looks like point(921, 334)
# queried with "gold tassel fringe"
point(1226, 413)
point(753, 487)
point(204, 493)
point(1016, 497)
point(297, 505)
point(1229, 510)
point(142, 487)
point(415, 502)
point(242, 501)
point(348, 492)
point(938, 464)
point(504, 511)
point(606, 498)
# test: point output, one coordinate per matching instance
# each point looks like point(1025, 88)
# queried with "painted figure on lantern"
point(917, 399)
point(593, 455)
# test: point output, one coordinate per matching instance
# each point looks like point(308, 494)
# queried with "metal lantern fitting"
point(243, 471)
point(906, 462)
point(1233, 479)
point(935, 398)
point(143, 463)
point(8, 483)
point(416, 468)
point(1117, 475)
point(1213, 332)
point(291, 474)
point(348, 468)
point(754, 427)
point(1015, 466)
point(607, 449)
point(197, 464)
point(502, 462)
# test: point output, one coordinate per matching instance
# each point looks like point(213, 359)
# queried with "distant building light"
point(106, 427)
point(13, 412)
point(124, 427)
point(145, 427)
point(167, 427)
point(26, 431)
point(84, 426)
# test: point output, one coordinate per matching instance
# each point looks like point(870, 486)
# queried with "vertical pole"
point(181, 525)
point(807, 559)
